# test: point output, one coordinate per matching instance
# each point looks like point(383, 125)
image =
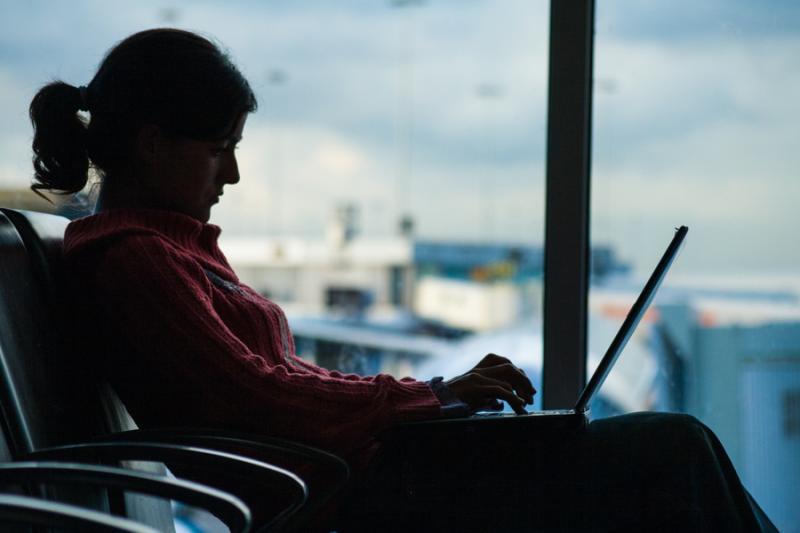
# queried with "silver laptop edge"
point(631, 321)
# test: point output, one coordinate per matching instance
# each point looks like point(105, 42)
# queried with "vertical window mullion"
point(567, 255)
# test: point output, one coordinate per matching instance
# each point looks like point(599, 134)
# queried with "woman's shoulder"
point(148, 246)
point(122, 228)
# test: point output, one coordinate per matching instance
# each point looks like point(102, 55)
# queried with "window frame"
point(567, 216)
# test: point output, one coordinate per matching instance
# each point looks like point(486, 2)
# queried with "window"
point(695, 123)
point(392, 192)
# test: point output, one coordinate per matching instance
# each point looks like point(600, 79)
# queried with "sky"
point(437, 109)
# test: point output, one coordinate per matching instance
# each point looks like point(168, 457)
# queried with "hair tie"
point(84, 91)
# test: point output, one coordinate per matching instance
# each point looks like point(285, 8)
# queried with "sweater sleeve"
point(163, 301)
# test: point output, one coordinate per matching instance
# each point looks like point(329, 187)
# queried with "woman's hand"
point(494, 378)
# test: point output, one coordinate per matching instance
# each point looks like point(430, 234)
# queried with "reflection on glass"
point(696, 123)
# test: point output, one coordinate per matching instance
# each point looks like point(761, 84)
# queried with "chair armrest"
point(325, 474)
point(255, 446)
point(272, 493)
point(25, 510)
point(229, 509)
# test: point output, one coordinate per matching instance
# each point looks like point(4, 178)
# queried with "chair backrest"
point(49, 394)
point(42, 235)
point(43, 402)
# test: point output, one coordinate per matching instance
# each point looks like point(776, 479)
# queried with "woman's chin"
point(201, 214)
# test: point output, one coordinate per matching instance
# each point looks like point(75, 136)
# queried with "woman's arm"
point(161, 305)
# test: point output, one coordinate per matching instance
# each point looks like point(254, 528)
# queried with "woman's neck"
point(118, 194)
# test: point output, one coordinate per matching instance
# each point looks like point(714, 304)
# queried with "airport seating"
point(27, 493)
point(19, 511)
point(55, 409)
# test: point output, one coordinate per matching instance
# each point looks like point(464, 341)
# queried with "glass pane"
point(392, 192)
point(696, 115)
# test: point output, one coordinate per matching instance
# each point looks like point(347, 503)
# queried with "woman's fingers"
point(501, 392)
point(513, 376)
point(492, 359)
point(492, 405)
point(494, 378)
point(499, 367)
point(476, 390)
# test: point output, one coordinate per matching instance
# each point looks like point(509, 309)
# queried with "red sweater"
point(186, 344)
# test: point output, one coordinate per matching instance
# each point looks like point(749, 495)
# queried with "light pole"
point(276, 79)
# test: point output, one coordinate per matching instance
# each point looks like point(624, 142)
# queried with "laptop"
point(578, 415)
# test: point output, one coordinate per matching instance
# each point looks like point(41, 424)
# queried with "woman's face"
point(188, 175)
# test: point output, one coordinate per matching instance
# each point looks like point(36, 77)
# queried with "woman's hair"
point(177, 80)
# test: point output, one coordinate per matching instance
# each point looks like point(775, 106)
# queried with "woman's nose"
point(230, 174)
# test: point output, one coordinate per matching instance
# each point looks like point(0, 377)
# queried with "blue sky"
point(438, 109)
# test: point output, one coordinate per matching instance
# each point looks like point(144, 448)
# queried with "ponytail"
point(60, 160)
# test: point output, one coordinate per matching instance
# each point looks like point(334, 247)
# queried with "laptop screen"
point(631, 320)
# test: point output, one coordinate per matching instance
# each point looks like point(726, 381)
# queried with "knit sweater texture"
point(185, 343)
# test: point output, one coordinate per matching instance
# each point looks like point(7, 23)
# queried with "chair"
point(61, 420)
point(25, 509)
point(47, 402)
point(27, 490)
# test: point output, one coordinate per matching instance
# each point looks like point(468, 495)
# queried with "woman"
point(184, 343)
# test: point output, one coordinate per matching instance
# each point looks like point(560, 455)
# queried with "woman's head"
point(170, 83)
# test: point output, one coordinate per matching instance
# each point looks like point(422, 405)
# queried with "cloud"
point(703, 135)
point(663, 90)
point(440, 111)
point(15, 131)
point(294, 177)
point(686, 20)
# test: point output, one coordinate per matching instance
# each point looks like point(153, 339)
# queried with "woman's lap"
point(656, 470)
